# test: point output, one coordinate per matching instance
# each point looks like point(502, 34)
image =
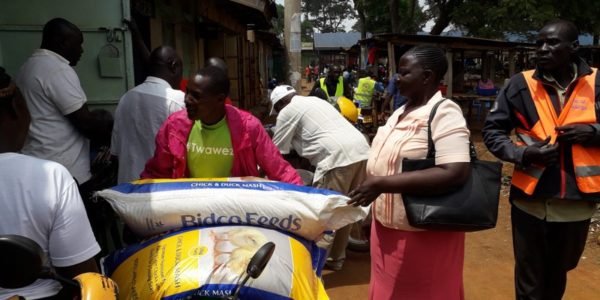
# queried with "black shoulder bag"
point(470, 207)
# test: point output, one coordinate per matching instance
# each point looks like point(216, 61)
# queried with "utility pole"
point(293, 42)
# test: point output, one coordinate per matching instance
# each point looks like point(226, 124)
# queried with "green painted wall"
point(21, 23)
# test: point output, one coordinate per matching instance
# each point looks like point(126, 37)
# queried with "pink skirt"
point(411, 265)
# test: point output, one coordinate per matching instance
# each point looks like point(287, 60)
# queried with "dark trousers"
point(544, 253)
point(103, 220)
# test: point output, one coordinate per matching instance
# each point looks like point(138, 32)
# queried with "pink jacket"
point(252, 147)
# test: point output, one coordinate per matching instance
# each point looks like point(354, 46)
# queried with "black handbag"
point(470, 207)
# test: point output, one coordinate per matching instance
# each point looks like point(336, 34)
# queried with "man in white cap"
point(318, 132)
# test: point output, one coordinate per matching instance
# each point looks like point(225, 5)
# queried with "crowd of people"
point(159, 131)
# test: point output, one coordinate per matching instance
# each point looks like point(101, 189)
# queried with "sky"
point(348, 23)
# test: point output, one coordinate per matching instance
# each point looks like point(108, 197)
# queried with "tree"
point(278, 23)
point(327, 16)
point(393, 5)
point(307, 30)
point(585, 14)
point(481, 18)
point(378, 17)
point(442, 11)
point(360, 26)
point(495, 18)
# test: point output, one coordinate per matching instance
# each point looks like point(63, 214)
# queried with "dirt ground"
point(488, 269)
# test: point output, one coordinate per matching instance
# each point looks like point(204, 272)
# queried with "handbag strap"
point(431, 145)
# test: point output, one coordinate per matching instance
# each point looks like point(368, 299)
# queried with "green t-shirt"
point(209, 150)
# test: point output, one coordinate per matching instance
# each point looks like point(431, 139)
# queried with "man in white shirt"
point(143, 109)
point(61, 124)
point(318, 132)
point(39, 199)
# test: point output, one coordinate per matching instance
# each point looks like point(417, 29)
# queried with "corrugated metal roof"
point(585, 39)
point(446, 41)
point(336, 40)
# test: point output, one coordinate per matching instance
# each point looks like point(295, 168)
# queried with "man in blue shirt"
point(392, 92)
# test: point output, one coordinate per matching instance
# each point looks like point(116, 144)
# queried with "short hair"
point(218, 79)
point(57, 27)
point(161, 58)
point(567, 28)
point(319, 93)
point(217, 62)
point(431, 58)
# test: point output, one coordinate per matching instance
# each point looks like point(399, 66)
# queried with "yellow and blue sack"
point(210, 262)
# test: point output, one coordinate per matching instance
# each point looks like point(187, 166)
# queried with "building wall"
point(309, 57)
point(333, 58)
point(217, 33)
point(21, 24)
point(170, 22)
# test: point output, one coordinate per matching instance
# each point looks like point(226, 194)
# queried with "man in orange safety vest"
point(554, 111)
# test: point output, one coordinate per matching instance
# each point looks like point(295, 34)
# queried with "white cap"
point(279, 93)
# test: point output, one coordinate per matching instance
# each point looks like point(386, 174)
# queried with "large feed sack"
point(150, 207)
point(210, 262)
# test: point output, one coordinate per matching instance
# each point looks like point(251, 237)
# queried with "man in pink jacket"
point(211, 139)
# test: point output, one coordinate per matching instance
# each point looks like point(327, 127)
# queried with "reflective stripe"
point(339, 88)
point(527, 139)
point(532, 171)
point(579, 109)
point(364, 91)
point(587, 171)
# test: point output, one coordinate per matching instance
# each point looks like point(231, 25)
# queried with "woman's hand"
point(366, 193)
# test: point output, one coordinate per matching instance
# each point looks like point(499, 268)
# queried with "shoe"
point(334, 265)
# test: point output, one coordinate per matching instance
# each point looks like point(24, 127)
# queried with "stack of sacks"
point(216, 227)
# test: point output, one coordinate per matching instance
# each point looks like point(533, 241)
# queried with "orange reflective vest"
point(578, 109)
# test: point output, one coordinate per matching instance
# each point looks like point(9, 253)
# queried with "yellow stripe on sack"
point(305, 283)
point(185, 272)
point(146, 181)
point(322, 295)
point(161, 269)
point(219, 179)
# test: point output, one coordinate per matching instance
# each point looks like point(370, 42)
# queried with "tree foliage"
point(480, 18)
point(307, 30)
point(278, 23)
point(328, 15)
point(378, 16)
point(494, 18)
point(442, 11)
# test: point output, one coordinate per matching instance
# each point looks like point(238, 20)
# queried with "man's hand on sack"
point(541, 153)
point(575, 134)
point(366, 193)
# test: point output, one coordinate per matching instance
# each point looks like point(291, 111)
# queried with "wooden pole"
point(449, 76)
point(511, 62)
point(292, 41)
point(391, 60)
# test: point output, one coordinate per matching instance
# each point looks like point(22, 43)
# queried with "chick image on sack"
point(233, 251)
point(211, 262)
